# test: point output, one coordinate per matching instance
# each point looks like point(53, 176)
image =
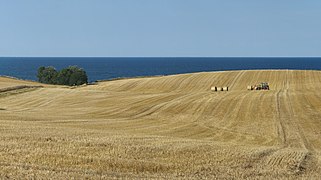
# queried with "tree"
point(47, 75)
point(71, 76)
point(63, 76)
point(78, 76)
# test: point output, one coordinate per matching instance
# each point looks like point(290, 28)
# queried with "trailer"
point(260, 86)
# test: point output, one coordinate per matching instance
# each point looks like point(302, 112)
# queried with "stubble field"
point(164, 128)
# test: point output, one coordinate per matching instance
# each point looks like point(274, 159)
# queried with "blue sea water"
point(109, 68)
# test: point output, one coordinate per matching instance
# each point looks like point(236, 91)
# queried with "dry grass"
point(165, 127)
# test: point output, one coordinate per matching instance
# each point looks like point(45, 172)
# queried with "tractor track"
point(287, 118)
point(238, 76)
point(280, 124)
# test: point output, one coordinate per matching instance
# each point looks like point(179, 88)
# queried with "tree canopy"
point(71, 76)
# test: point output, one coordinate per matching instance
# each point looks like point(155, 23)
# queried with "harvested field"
point(167, 127)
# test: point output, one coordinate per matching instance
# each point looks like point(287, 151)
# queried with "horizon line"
point(160, 56)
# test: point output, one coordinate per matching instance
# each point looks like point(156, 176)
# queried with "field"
point(169, 127)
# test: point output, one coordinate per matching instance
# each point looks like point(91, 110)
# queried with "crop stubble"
point(165, 127)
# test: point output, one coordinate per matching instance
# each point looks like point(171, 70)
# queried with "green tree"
point(47, 75)
point(71, 76)
point(78, 76)
point(64, 76)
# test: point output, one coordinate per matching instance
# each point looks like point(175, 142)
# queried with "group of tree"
point(71, 76)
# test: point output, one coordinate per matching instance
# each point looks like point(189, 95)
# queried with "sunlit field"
point(164, 127)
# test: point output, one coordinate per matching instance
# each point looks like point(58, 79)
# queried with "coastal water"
point(109, 68)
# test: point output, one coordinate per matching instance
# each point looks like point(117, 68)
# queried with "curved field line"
point(280, 123)
point(238, 76)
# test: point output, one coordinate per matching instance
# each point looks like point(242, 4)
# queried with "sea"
point(99, 68)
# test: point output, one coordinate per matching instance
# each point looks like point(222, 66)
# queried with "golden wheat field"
point(170, 127)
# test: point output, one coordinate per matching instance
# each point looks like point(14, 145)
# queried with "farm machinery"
point(260, 86)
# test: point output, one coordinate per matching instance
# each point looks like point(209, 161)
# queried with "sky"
point(160, 28)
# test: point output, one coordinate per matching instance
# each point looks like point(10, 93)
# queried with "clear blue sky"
point(160, 28)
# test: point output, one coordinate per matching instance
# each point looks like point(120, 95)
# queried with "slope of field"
point(166, 127)
point(6, 82)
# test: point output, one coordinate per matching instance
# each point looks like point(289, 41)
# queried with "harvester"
point(260, 86)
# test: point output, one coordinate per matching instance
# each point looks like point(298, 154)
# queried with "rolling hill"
point(165, 127)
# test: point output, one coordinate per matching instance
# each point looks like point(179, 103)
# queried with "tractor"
point(260, 86)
